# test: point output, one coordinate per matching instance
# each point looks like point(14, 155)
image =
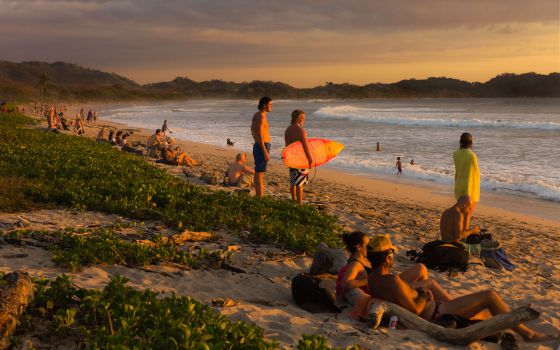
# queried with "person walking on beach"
point(398, 165)
point(261, 148)
point(378, 147)
point(467, 174)
point(294, 133)
point(165, 129)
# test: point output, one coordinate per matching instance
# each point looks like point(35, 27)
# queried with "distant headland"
point(67, 81)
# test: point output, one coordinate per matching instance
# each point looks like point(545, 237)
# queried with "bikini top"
point(368, 269)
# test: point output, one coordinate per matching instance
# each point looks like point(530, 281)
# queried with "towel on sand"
point(467, 174)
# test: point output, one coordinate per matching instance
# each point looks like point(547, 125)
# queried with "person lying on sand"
point(175, 156)
point(422, 301)
point(238, 170)
point(352, 280)
point(453, 222)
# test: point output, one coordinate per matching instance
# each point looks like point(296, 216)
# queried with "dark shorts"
point(258, 155)
point(298, 177)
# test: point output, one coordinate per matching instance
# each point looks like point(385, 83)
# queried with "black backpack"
point(310, 296)
point(442, 255)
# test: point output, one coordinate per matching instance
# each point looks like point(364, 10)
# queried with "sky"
point(304, 43)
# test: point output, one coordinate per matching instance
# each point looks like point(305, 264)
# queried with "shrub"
point(84, 174)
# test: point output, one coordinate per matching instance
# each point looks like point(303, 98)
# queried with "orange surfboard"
point(322, 150)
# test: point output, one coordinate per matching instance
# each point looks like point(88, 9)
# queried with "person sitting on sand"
point(124, 140)
point(421, 301)
point(154, 144)
point(111, 138)
point(237, 171)
point(175, 156)
point(355, 274)
point(101, 135)
point(118, 137)
point(453, 222)
point(79, 125)
point(352, 279)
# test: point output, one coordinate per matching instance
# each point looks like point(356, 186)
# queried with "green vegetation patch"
point(120, 317)
point(318, 342)
point(87, 175)
point(103, 246)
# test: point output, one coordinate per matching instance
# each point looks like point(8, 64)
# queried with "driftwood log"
point(462, 336)
point(14, 297)
point(179, 238)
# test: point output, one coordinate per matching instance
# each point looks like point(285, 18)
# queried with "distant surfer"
point(467, 174)
point(294, 133)
point(412, 162)
point(261, 148)
point(398, 165)
point(378, 147)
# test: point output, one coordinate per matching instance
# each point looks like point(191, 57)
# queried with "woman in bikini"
point(352, 279)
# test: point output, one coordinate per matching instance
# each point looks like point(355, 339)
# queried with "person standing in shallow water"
point(467, 175)
point(398, 165)
point(261, 148)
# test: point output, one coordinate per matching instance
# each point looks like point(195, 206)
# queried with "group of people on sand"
point(57, 120)
point(369, 276)
point(261, 148)
point(163, 148)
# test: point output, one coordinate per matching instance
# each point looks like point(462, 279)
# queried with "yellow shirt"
point(467, 174)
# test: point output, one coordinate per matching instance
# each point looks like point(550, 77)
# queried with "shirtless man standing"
point(261, 148)
point(452, 223)
point(295, 133)
point(421, 301)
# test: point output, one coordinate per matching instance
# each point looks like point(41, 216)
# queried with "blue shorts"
point(258, 155)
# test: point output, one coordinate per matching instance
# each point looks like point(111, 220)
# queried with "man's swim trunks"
point(298, 177)
point(258, 155)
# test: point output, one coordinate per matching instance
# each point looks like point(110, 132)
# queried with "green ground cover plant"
point(73, 250)
point(120, 317)
point(81, 173)
point(318, 342)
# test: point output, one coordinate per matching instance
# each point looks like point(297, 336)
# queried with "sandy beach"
point(528, 229)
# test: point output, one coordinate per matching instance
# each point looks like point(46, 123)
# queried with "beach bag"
point(494, 256)
point(472, 242)
point(442, 255)
point(310, 296)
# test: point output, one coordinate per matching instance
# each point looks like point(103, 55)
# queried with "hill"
point(66, 81)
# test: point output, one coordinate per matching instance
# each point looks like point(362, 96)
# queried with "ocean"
point(517, 141)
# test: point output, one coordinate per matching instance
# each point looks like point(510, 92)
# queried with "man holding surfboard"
point(294, 133)
point(261, 135)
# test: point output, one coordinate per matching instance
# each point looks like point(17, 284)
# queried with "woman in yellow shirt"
point(467, 174)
